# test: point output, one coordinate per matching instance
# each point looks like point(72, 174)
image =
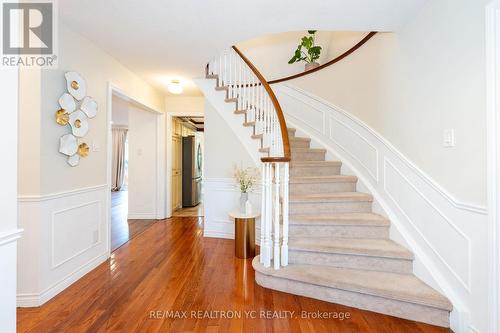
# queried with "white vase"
point(311, 65)
point(243, 201)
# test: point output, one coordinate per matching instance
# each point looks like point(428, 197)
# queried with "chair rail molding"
point(10, 236)
point(220, 196)
point(411, 199)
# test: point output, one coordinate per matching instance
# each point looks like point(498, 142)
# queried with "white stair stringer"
point(226, 110)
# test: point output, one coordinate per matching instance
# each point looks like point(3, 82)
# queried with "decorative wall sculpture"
point(76, 109)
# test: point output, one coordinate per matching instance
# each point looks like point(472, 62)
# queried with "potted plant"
point(246, 179)
point(307, 51)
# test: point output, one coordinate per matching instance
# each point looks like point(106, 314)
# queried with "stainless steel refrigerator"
point(191, 171)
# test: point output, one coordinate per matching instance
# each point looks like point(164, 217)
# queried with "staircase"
point(340, 252)
point(328, 243)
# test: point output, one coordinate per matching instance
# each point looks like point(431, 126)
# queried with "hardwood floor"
point(191, 211)
point(171, 267)
point(122, 229)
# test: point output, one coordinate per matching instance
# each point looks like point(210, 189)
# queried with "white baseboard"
point(33, 300)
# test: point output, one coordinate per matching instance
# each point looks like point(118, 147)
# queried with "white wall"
point(142, 173)
point(223, 149)
point(270, 53)
point(413, 84)
point(8, 225)
point(450, 249)
point(185, 104)
point(408, 87)
point(63, 209)
point(119, 111)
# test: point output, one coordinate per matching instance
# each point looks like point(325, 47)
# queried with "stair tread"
point(362, 219)
point(357, 246)
point(308, 150)
point(322, 179)
point(401, 287)
point(314, 163)
point(331, 197)
point(298, 138)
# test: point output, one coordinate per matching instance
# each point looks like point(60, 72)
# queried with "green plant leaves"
point(313, 51)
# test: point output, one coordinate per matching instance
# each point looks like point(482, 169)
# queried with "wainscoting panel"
point(448, 237)
point(221, 196)
point(66, 236)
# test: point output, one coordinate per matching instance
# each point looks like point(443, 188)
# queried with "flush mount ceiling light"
point(175, 87)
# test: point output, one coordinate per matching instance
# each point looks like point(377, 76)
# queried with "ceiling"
point(160, 40)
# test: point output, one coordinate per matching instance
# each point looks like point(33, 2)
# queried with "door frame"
point(160, 206)
point(168, 131)
point(493, 158)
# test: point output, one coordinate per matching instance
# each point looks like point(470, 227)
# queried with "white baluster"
point(268, 222)
point(263, 213)
point(276, 256)
point(284, 245)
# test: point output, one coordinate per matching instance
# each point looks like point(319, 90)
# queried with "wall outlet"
point(95, 236)
point(449, 137)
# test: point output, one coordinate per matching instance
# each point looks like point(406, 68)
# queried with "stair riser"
point(322, 188)
point(391, 265)
point(308, 208)
point(378, 304)
point(299, 144)
point(317, 171)
point(339, 231)
point(308, 156)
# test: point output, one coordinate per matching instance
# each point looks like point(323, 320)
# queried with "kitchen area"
point(187, 166)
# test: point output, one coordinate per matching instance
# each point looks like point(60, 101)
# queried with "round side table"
point(244, 234)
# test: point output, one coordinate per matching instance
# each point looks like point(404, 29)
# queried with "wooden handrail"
point(326, 64)
point(279, 112)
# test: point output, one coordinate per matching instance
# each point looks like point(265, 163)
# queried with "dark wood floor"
point(122, 229)
point(171, 267)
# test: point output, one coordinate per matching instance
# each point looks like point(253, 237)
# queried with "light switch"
point(449, 137)
point(95, 146)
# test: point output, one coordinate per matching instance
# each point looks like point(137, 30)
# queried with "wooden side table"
point(244, 234)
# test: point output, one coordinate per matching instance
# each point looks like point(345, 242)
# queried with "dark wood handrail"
point(326, 64)
point(279, 112)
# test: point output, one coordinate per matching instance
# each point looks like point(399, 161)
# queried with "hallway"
point(123, 229)
point(171, 267)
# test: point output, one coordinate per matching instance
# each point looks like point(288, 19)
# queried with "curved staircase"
point(340, 251)
point(329, 244)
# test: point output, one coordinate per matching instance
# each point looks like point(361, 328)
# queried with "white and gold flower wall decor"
point(76, 109)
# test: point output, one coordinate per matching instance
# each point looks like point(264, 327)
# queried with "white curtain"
point(118, 161)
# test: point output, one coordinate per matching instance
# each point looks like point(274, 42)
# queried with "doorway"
point(187, 166)
point(134, 162)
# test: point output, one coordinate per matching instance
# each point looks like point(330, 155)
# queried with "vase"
point(311, 65)
point(243, 201)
